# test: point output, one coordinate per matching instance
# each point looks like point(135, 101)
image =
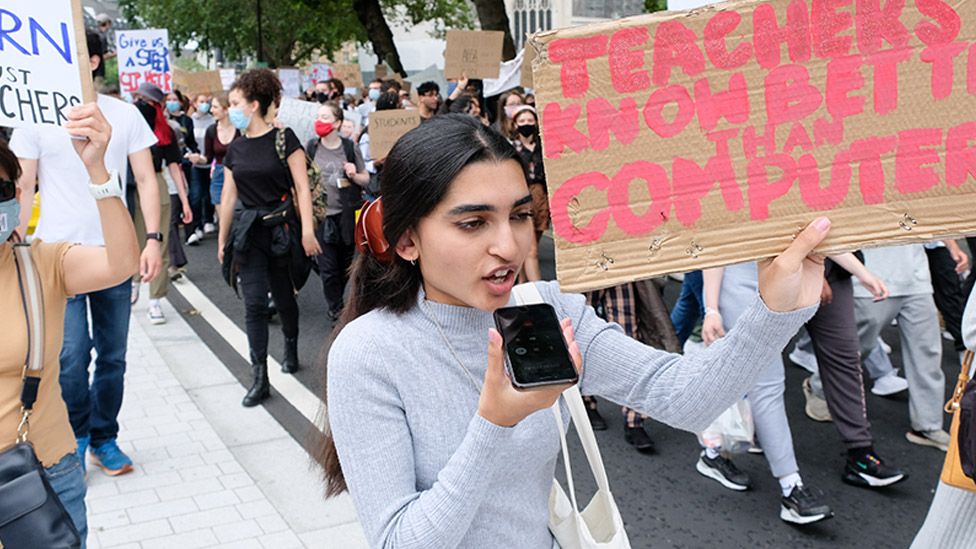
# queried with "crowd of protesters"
point(278, 208)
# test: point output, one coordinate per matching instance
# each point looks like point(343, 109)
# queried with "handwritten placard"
point(386, 127)
point(143, 57)
point(477, 54)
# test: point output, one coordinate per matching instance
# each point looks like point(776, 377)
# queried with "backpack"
point(319, 198)
point(351, 195)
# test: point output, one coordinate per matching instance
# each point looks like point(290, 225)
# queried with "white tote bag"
point(599, 525)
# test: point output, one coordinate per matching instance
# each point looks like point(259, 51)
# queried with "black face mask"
point(527, 130)
point(322, 97)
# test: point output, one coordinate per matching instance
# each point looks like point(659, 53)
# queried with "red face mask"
point(323, 128)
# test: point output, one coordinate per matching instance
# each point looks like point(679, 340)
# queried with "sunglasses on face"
point(8, 190)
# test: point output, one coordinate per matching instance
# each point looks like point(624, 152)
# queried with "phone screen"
point(534, 343)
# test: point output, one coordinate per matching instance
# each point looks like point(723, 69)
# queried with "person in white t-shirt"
point(69, 213)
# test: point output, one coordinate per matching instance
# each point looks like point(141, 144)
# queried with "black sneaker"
point(802, 506)
point(638, 438)
point(871, 472)
point(596, 420)
point(724, 471)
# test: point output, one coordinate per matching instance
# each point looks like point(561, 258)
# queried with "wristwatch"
point(110, 189)
point(155, 236)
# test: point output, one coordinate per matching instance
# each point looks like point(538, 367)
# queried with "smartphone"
point(534, 345)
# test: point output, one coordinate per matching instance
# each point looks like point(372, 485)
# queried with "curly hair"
point(261, 85)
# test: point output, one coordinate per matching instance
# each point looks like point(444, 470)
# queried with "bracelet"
point(110, 189)
point(711, 311)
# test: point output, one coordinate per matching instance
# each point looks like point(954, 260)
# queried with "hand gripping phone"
point(536, 352)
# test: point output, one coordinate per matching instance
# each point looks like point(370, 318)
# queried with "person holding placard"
point(70, 214)
point(434, 444)
point(64, 269)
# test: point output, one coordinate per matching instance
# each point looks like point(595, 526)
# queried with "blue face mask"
point(9, 218)
point(173, 106)
point(451, 86)
point(204, 108)
point(237, 117)
point(374, 94)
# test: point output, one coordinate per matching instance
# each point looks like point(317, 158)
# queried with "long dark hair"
point(416, 176)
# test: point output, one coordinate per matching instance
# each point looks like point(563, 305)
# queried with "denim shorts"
point(68, 481)
point(216, 183)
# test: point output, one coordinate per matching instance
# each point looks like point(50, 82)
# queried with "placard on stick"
point(349, 73)
point(44, 62)
point(299, 116)
point(386, 127)
point(474, 53)
point(687, 140)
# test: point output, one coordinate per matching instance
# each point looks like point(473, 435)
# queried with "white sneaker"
point(816, 407)
point(936, 439)
point(156, 312)
point(888, 385)
point(209, 228)
point(804, 359)
point(194, 239)
point(884, 346)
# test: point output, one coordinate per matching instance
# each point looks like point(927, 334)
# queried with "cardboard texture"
point(475, 53)
point(385, 127)
point(382, 71)
point(194, 83)
point(43, 62)
point(679, 141)
point(143, 57)
point(528, 57)
point(350, 74)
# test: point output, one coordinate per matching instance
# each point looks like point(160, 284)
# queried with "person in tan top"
point(65, 270)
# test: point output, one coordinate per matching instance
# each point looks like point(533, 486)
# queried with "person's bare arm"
point(712, 326)
point(27, 183)
point(151, 261)
point(228, 198)
point(91, 268)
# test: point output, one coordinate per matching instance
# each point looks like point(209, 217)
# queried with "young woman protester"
point(435, 445)
point(525, 136)
point(262, 239)
point(217, 140)
point(344, 177)
point(64, 269)
point(730, 293)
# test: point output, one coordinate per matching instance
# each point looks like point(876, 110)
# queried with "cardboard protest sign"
point(385, 127)
point(227, 77)
point(382, 71)
point(43, 62)
point(475, 53)
point(143, 57)
point(320, 72)
point(291, 80)
point(299, 116)
point(681, 141)
point(193, 83)
point(349, 73)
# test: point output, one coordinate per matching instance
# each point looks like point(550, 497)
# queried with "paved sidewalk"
point(209, 473)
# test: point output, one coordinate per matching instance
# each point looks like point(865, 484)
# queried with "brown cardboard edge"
point(88, 94)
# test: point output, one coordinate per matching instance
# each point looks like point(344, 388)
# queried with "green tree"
point(651, 6)
point(291, 30)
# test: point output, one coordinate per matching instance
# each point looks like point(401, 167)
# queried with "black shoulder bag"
point(31, 515)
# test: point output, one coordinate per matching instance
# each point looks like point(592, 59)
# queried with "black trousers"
point(334, 262)
point(949, 293)
point(261, 273)
point(177, 257)
point(833, 331)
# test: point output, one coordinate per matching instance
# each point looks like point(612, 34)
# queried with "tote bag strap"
point(526, 294)
point(32, 298)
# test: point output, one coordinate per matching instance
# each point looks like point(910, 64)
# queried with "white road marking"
point(304, 400)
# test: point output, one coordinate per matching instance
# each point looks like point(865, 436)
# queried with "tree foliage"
point(291, 29)
point(651, 6)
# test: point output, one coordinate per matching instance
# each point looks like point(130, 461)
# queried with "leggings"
point(260, 273)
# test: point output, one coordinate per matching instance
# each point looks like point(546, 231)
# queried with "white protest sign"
point(227, 77)
point(43, 60)
point(320, 72)
point(143, 57)
point(291, 80)
point(299, 116)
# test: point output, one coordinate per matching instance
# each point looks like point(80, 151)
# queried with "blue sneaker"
point(111, 459)
point(83, 443)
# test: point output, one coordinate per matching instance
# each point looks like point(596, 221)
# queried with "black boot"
point(290, 365)
point(261, 388)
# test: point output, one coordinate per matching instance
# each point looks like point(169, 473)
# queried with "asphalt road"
point(664, 501)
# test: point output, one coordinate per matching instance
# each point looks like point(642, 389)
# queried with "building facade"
point(530, 16)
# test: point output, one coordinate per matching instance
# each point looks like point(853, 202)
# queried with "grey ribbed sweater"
point(426, 471)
